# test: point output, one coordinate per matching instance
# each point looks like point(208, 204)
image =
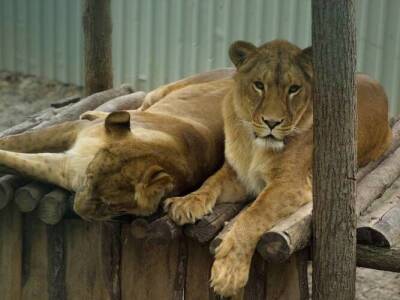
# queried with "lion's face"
point(274, 86)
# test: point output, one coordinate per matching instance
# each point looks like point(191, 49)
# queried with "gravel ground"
point(22, 95)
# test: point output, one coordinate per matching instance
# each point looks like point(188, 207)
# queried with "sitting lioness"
point(268, 150)
point(126, 162)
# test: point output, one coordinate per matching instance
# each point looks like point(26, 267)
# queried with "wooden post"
point(334, 167)
point(97, 30)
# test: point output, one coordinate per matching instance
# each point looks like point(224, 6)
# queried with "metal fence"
point(156, 41)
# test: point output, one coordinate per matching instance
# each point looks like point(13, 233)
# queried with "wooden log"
point(159, 231)
point(379, 225)
point(127, 102)
point(53, 116)
point(378, 258)
point(8, 184)
point(53, 206)
point(288, 236)
point(27, 197)
point(206, 228)
point(91, 102)
point(293, 233)
point(65, 101)
point(97, 30)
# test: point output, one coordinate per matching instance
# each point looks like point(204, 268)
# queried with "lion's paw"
point(188, 209)
point(230, 270)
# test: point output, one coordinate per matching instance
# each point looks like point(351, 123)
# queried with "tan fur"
point(275, 169)
point(126, 162)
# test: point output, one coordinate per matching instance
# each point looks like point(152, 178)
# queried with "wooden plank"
point(10, 252)
point(198, 272)
point(255, 287)
point(92, 260)
point(288, 280)
point(56, 264)
point(35, 259)
point(148, 272)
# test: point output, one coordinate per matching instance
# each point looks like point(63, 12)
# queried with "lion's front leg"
point(223, 186)
point(233, 255)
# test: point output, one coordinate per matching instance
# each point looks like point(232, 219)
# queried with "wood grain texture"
point(10, 253)
point(378, 258)
point(148, 272)
point(97, 30)
point(96, 247)
point(35, 259)
point(335, 157)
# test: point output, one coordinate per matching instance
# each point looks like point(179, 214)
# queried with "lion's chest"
point(250, 164)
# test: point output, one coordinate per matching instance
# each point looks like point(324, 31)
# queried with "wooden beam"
point(97, 29)
point(334, 112)
point(378, 258)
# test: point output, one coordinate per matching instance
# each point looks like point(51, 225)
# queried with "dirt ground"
point(21, 96)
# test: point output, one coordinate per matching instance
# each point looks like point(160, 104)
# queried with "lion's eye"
point(258, 85)
point(294, 89)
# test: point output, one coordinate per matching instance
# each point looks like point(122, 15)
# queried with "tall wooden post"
point(334, 184)
point(97, 30)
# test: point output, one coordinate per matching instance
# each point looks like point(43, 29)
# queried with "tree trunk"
point(97, 30)
point(334, 167)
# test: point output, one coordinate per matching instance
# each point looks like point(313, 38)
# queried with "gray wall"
point(156, 41)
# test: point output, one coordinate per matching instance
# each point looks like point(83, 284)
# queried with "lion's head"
point(273, 88)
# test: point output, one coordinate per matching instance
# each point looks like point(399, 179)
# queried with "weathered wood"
point(8, 184)
point(379, 225)
point(199, 263)
point(334, 119)
point(91, 102)
point(10, 252)
point(27, 197)
point(97, 30)
point(287, 237)
point(126, 102)
point(53, 206)
point(160, 231)
point(378, 258)
point(97, 247)
point(53, 116)
point(256, 285)
point(65, 101)
point(288, 280)
point(293, 233)
point(147, 272)
point(56, 262)
point(206, 229)
point(35, 259)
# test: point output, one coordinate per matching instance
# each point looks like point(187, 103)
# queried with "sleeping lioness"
point(268, 150)
point(126, 162)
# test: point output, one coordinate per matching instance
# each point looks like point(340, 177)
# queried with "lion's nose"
point(272, 123)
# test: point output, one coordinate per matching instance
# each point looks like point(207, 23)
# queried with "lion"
point(268, 150)
point(126, 162)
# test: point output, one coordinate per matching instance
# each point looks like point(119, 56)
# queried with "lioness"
point(127, 161)
point(268, 150)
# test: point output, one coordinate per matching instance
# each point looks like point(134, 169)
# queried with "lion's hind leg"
point(47, 167)
point(52, 139)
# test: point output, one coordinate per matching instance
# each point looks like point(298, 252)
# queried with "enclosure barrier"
point(47, 252)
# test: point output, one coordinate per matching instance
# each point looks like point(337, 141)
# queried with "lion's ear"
point(304, 59)
point(239, 51)
point(305, 56)
point(118, 122)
